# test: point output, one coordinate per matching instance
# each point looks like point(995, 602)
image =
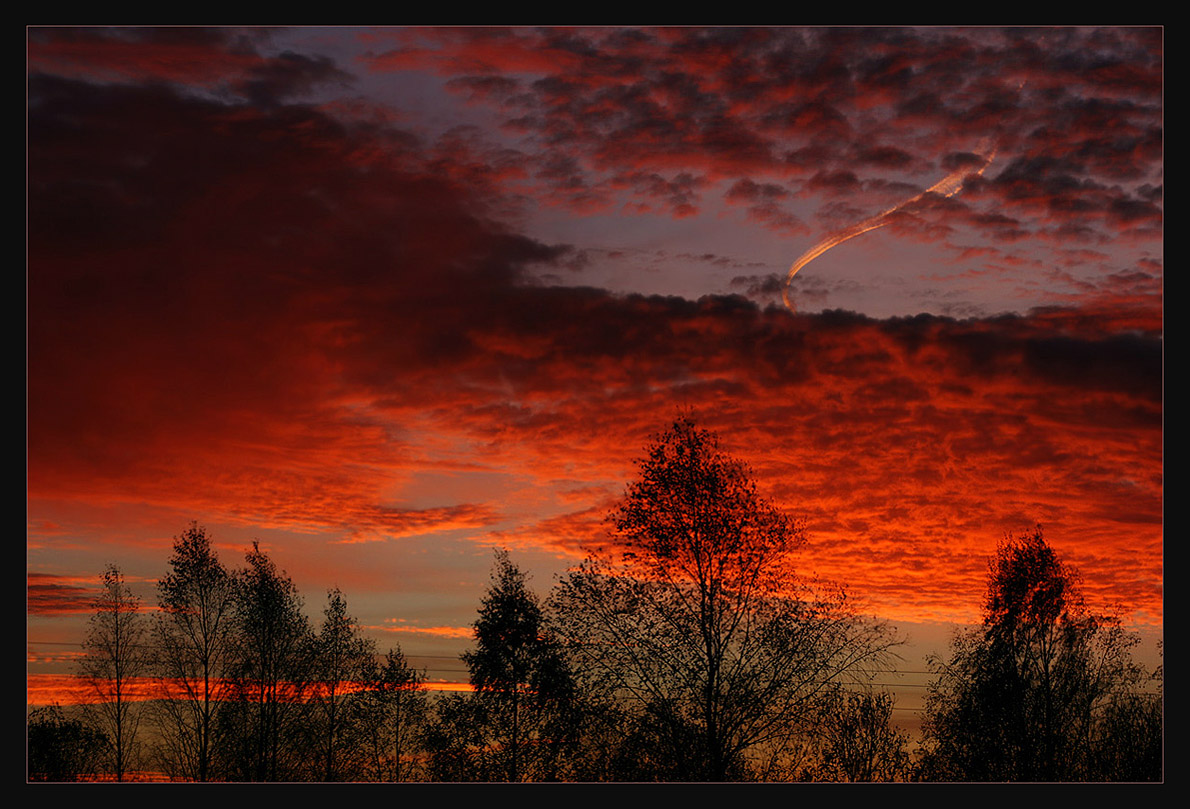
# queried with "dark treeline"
point(685, 650)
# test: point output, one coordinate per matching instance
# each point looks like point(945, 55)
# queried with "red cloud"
point(280, 319)
point(48, 594)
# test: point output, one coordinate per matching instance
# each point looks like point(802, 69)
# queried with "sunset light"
point(357, 310)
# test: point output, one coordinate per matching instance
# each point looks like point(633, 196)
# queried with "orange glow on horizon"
point(70, 689)
point(387, 299)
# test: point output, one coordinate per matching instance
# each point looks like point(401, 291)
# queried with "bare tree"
point(194, 634)
point(694, 615)
point(116, 654)
point(455, 740)
point(1129, 739)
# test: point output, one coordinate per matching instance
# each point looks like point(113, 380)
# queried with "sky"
point(387, 300)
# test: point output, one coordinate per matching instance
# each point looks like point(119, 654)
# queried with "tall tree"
point(268, 669)
point(343, 663)
point(518, 672)
point(694, 615)
point(395, 715)
point(194, 635)
point(1020, 695)
point(116, 654)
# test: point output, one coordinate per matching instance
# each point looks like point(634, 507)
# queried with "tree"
point(694, 614)
point(343, 663)
point(395, 714)
point(59, 748)
point(1128, 742)
point(856, 741)
point(456, 740)
point(520, 677)
point(1020, 696)
point(194, 638)
point(1129, 739)
point(268, 670)
point(116, 654)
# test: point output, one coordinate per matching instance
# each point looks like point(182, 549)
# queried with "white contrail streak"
point(948, 186)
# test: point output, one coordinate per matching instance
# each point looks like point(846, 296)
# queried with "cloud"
point(465, 632)
point(282, 316)
point(49, 594)
point(213, 288)
point(219, 60)
point(872, 115)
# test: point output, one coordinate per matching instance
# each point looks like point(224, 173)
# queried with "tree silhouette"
point(696, 619)
point(1020, 696)
point(456, 741)
point(343, 661)
point(1128, 743)
point(194, 635)
point(520, 677)
point(395, 714)
point(856, 741)
point(61, 748)
point(116, 654)
point(268, 670)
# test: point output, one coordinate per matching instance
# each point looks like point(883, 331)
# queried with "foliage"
point(1020, 696)
point(856, 741)
point(59, 748)
point(268, 669)
point(116, 654)
point(395, 713)
point(1128, 740)
point(698, 622)
point(343, 661)
point(194, 639)
point(693, 653)
point(520, 678)
point(456, 743)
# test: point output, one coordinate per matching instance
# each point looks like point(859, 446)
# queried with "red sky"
point(388, 299)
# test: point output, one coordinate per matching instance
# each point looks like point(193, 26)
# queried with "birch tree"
point(1020, 696)
point(193, 637)
point(116, 657)
point(693, 616)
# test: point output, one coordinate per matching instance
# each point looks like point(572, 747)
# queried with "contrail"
point(948, 186)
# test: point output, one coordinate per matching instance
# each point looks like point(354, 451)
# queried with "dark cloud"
point(258, 310)
point(210, 39)
point(483, 87)
point(888, 157)
point(745, 189)
point(290, 76)
point(679, 194)
point(208, 263)
point(836, 182)
point(222, 60)
point(1074, 114)
point(47, 594)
